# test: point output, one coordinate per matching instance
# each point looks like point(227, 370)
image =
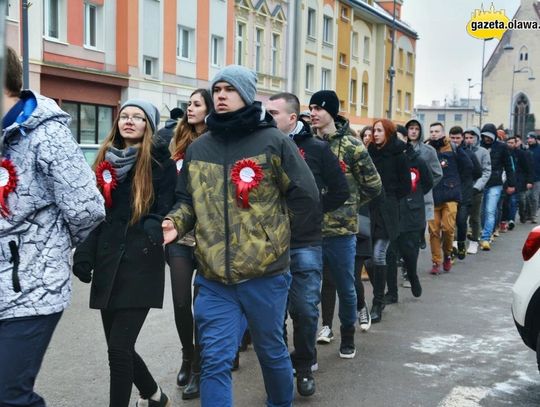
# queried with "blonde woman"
point(123, 257)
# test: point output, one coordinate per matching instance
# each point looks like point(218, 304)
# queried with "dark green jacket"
point(362, 177)
point(236, 244)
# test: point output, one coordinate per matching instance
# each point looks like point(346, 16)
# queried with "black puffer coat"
point(128, 260)
point(393, 167)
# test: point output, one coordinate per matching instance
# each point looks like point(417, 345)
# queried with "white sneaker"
point(325, 335)
point(473, 247)
point(364, 319)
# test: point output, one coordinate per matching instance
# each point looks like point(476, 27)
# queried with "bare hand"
point(510, 190)
point(530, 186)
point(169, 232)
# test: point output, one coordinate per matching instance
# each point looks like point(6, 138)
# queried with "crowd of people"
point(262, 212)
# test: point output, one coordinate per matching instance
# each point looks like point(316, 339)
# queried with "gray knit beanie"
point(243, 79)
point(151, 112)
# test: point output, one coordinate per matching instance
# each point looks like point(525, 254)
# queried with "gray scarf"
point(122, 160)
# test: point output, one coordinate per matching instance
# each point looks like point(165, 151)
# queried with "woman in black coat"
point(125, 252)
point(387, 153)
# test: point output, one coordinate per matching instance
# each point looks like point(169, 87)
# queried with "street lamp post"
point(392, 70)
point(482, 81)
point(469, 100)
point(514, 72)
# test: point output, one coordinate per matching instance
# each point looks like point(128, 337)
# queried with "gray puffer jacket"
point(55, 205)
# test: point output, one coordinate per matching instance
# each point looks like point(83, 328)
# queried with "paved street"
point(455, 346)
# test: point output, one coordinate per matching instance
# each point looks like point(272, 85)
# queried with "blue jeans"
point(219, 310)
point(304, 298)
point(23, 342)
point(489, 210)
point(338, 256)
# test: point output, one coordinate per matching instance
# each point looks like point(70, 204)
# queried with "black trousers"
point(461, 221)
point(122, 328)
point(407, 245)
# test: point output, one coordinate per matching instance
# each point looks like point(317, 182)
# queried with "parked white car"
point(526, 294)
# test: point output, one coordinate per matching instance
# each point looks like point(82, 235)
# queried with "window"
point(12, 9)
point(441, 117)
point(90, 25)
point(150, 66)
point(51, 15)
point(345, 13)
point(186, 43)
point(400, 59)
point(310, 72)
point(90, 124)
point(326, 77)
point(342, 59)
point(366, 48)
point(258, 48)
point(458, 117)
point(408, 98)
point(409, 62)
point(352, 96)
point(399, 105)
point(422, 117)
point(311, 22)
point(216, 49)
point(327, 29)
point(182, 104)
point(364, 93)
point(240, 32)
point(275, 54)
point(354, 44)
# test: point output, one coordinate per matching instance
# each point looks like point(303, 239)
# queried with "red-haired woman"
point(387, 153)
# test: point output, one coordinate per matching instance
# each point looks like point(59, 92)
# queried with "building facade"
point(511, 90)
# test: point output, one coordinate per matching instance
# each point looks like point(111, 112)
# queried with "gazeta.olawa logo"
point(487, 24)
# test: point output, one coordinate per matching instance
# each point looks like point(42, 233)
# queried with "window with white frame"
point(150, 66)
point(12, 9)
point(186, 43)
point(364, 95)
point(326, 78)
point(342, 59)
point(409, 62)
point(327, 29)
point(53, 19)
point(311, 22)
point(399, 103)
point(352, 95)
point(275, 53)
point(408, 98)
point(240, 41)
point(216, 49)
point(354, 44)
point(310, 73)
point(366, 48)
point(401, 61)
point(92, 25)
point(258, 48)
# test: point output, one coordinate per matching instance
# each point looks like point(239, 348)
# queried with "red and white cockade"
point(179, 160)
point(415, 177)
point(246, 175)
point(8, 183)
point(107, 180)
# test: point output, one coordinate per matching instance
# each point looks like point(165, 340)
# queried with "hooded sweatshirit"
point(483, 157)
point(235, 244)
point(55, 206)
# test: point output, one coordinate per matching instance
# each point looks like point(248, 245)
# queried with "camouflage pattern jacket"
point(362, 177)
point(235, 244)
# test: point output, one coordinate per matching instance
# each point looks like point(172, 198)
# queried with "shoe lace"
point(363, 315)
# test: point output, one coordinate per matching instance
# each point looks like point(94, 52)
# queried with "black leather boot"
point(376, 313)
point(379, 283)
point(305, 383)
point(192, 390)
point(184, 373)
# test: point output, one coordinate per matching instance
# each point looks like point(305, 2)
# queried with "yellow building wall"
point(343, 49)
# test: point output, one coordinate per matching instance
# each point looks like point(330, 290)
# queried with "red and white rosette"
point(107, 180)
point(302, 153)
point(246, 175)
point(179, 160)
point(8, 183)
point(343, 166)
point(415, 177)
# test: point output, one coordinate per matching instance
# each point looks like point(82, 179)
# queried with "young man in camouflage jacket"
point(340, 226)
point(240, 186)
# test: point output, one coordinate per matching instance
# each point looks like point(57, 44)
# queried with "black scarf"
point(240, 122)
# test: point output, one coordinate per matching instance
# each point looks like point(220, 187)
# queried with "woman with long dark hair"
point(125, 252)
point(180, 256)
point(387, 153)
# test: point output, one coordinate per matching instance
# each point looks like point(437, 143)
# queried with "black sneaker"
point(347, 350)
point(390, 298)
point(305, 384)
point(511, 225)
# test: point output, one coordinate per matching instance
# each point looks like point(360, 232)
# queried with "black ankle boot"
point(192, 390)
point(390, 298)
point(305, 383)
point(183, 375)
point(376, 313)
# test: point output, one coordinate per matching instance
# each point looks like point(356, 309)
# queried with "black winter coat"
point(469, 178)
point(412, 214)
point(500, 161)
point(523, 167)
point(393, 167)
point(128, 260)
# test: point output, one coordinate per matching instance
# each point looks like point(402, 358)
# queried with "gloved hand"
point(152, 226)
point(83, 271)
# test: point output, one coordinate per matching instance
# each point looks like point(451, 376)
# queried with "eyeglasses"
point(135, 119)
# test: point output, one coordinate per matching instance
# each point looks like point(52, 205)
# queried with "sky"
point(445, 54)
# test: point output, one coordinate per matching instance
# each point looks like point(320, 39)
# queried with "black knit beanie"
point(328, 100)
